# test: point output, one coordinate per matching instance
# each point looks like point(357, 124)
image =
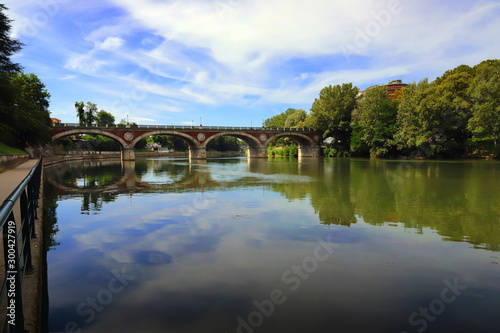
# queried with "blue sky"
point(237, 62)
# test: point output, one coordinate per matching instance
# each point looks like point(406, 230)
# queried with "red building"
point(391, 87)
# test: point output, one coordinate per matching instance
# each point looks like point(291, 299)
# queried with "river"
point(273, 245)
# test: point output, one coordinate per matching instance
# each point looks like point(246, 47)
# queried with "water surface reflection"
point(232, 245)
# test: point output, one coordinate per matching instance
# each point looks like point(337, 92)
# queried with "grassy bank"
point(6, 150)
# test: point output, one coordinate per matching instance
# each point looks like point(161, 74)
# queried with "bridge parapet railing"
point(187, 127)
point(16, 249)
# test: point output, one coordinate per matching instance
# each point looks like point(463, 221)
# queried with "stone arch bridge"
point(197, 137)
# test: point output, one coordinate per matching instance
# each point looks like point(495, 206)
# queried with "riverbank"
point(8, 162)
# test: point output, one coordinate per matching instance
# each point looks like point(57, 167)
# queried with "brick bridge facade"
point(197, 137)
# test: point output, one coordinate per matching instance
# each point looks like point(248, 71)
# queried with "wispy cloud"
point(215, 56)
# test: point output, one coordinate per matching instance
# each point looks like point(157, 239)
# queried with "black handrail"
point(17, 247)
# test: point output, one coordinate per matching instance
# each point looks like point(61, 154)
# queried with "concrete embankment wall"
point(8, 162)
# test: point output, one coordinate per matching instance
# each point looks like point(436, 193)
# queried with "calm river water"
point(278, 245)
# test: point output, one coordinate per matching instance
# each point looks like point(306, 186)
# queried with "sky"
point(238, 62)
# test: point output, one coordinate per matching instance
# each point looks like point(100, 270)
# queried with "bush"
point(289, 151)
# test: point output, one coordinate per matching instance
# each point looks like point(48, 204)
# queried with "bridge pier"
point(197, 153)
point(309, 151)
point(128, 154)
point(257, 152)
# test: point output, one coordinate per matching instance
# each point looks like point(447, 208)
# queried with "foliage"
point(289, 151)
point(8, 45)
point(296, 119)
point(224, 143)
point(24, 110)
point(101, 143)
point(485, 94)
point(374, 121)
point(331, 113)
point(104, 119)
point(86, 113)
point(291, 118)
point(6, 150)
point(124, 123)
point(141, 144)
point(334, 152)
point(279, 120)
point(171, 142)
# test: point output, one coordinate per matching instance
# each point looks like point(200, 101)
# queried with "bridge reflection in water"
point(207, 240)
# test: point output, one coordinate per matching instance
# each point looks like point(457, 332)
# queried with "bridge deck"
point(188, 127)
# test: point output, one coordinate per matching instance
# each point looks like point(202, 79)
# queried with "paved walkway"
point(32, 284)
point(11, 178)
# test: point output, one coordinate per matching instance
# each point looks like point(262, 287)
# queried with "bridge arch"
point(194, 146)
point(255, 147)
point(89, 131)
point(187, 138)
point(307, 146)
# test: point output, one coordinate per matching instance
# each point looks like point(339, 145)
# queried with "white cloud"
point(245, 39)
point(111, 43)
point(85, 63)
point(239, 53)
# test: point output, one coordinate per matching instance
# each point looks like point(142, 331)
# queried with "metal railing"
point(17, 247)
point(189, 127)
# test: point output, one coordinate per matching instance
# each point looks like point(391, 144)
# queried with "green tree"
point(449, 108)
point(224, 143)
point(279, 120)
point(410, 123)
point(291, 118)
point(171, 142)
point(87, 113)
point(104, 119)
point(90, 113)
point(296, 119)
point(374, 121)
point(485, 93)
point(27, 121)
point(331, 114)
point(80, 112)
point(8, 45)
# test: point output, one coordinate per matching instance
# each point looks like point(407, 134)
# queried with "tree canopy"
point(456, 115)
point(24, 99)
point(8, 45)
point(484, 92)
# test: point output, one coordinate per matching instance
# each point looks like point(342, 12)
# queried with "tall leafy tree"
point(30, 116)
point(331, 113)
point(90, 113)
point(104, 118)
point(86, 113)
point(80, 112)
point(485, 93)
point(448, 108)
point(278, 121)
point(374, 121)
point(296, 119)
point(8, 45)
point(24, 99)
point(410, 122)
